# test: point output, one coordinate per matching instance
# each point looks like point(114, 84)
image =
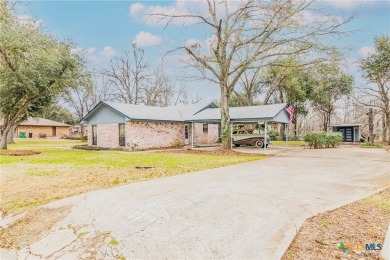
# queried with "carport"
point(243, 115)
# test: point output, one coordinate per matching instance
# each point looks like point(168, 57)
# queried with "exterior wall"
point(89, 135)
point(144, 135)
point(105, 115)
point(107, 135)
point(36, 130)
point(205, 138)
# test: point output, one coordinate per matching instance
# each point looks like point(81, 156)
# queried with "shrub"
point(176, 143)
point(315, 139)
point(333, 139)
point(274, 135)
point(84, 138)
point(322, 139)
point(71, 137)
point(90, 148)
point(42, 135)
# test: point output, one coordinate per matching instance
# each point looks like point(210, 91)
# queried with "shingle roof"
point(38, 121)
point(240, 113)
point(200, 112)
point(169, 113)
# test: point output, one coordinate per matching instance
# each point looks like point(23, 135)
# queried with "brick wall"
point(89, 135)
point(205, 138)
point(36, 130)
point(107, 135)
point(144, 135)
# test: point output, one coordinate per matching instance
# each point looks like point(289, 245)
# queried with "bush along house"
point(112, 124)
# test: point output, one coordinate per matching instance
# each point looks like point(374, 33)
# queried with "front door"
point(347, 134)
point(186, 134)
point(53, 131)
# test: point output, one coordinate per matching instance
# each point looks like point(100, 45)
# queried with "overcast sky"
point(104, 28)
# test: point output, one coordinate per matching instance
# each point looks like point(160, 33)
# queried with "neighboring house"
point(36, 127)
point(112, 124)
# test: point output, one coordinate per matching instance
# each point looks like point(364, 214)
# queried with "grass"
point(59, 172)
point(31, 227)
point(368, 145)
point(355, 224)
point(290, 143)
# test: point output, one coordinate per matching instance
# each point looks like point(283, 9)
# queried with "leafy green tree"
point(248, 34)
point(376, 69)
point(331, 83)
point(288, 80)
point(58, 113)
point(34, 68)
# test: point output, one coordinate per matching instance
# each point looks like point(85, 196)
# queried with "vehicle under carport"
point(262, 115)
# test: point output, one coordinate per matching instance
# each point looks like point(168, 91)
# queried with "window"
point(94, 135)
point(186, 135)
point(205, 128)
point(122, 135)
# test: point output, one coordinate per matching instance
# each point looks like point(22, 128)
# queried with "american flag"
point(290, 111)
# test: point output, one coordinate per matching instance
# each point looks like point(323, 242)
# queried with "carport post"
point(265, 136)
point(192, 136)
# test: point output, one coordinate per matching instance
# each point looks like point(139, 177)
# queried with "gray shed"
point(351, 132)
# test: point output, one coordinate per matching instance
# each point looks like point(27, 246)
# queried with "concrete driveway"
point(251, 210)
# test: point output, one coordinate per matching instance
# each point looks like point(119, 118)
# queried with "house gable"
point(104, 115)
point(282, 117)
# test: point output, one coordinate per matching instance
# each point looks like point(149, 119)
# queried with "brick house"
point(112, 124)
point(35, 127)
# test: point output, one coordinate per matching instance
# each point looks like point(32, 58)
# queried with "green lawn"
point(290, 143)
point(59, 172)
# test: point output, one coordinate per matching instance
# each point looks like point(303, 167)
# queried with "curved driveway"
point(250, 210)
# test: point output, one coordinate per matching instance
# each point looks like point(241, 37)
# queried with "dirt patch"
point(215, 152)
point(352, 226)
point(31, 227)
point(18, 152)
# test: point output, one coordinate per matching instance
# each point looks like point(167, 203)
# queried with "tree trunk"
point(371, 126)
point(10, 137)
point(384, 128)
point(3, 142)
point(296, 126)
point(225, 120)
point(324, 126)
point(388, 125)
point(282, 131)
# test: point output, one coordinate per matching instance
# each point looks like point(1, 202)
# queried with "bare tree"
point(79, 99)
point(376, 69)
point(160, 90)
point(128, 74)
point(247, 34)
point(88, 93)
